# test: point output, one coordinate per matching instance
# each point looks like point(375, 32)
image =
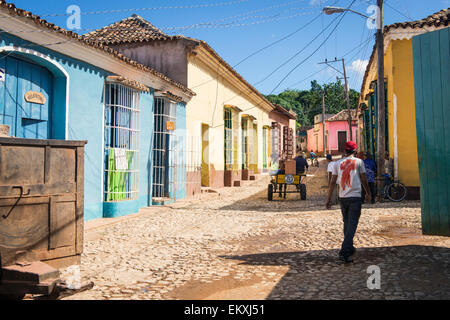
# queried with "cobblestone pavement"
point(237, 245)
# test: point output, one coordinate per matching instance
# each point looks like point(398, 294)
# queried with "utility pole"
point(381, 99)
point(323, 124)
point(347, 98)
point(347, 93)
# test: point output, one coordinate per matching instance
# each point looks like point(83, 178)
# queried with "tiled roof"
point(136, 29)
point(343, 116)
point(13, 11)
point(132, 29)
point(437, 19)
point(288, 113)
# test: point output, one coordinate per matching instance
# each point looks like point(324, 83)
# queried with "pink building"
point(336, 132)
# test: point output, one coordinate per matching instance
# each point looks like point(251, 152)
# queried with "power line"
point(398, 11)
point(205, 5)
point(266, 47)
point(297, 53)
point(244, 14)
point(229, 25)
point(320, 46)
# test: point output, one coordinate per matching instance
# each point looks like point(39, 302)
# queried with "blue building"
point(54, 85)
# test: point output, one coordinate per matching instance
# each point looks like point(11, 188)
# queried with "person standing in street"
point(331, 164)
point(301, 164)
point(350, 173)
point(371, 172)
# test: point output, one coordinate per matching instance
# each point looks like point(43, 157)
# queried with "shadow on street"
point(407, 272)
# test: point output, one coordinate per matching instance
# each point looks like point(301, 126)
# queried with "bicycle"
point(393, 190)
point(314, 162)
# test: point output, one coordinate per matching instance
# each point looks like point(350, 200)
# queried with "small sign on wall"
point(170, 126)
point(35, 97)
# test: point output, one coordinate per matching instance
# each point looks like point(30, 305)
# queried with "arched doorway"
point(34, 94)
point(26, 96)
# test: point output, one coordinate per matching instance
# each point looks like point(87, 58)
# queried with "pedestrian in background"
point(301, 164)
point(350, 173)
point(371, 172)
point(331, 164)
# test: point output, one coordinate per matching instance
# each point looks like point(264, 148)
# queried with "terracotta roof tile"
point(136, 29)
point(343, 116)
point(437, 19)
point(132, 29)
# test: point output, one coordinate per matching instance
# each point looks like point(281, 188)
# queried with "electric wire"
point(314, 52)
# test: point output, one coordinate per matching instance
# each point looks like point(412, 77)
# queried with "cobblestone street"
point(237, 245)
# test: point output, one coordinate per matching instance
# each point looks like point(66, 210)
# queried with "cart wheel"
point(303, 191)
point(270, 192)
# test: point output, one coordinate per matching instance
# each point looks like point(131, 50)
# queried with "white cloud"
point(359, 66)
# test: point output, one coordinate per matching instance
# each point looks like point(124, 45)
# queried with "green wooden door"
point(432, 77)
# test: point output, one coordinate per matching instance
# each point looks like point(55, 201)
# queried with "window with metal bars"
point(165, 151)
point(122, 130)
point(245, 151)
point(264, 148)
point(228, 139)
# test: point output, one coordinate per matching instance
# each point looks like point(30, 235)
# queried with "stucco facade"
point(216, 92)
point(400, 100)
point(83, 84)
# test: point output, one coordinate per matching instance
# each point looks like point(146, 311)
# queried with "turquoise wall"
point(85, 122)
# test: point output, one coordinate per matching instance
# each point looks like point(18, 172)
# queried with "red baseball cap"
point(351, 146)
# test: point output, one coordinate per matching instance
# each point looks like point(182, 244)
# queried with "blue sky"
point(238, 28)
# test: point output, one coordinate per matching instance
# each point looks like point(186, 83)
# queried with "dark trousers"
point(373, 192)
point(351, 212)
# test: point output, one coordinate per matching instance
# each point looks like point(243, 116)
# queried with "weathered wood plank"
point(420, 128)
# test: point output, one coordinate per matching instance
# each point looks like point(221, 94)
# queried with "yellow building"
point(230, 115)
point(401, 116)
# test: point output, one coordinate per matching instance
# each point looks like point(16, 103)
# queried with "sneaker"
point(345, 259)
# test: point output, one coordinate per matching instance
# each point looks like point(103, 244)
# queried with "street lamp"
point(381, 99)
point(331, 10)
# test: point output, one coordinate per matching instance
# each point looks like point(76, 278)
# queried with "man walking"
point(350, 173)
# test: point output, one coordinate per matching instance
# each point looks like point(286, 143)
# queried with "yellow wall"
point(403, 88)
point(213, 94)
point(400, 83)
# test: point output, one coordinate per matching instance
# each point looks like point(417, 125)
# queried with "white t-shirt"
point(349, 181)
point(331, 166)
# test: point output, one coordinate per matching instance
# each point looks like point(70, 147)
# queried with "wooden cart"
point(41, 214)
point(281, 183)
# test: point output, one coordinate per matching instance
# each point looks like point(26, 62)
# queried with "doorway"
point(342, 140)
point(165, 152)
point(26, 93)
point(205, 155)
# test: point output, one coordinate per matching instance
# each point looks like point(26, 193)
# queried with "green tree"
point(308, 103)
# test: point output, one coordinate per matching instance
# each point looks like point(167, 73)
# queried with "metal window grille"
point(193, 158)
point(275, 145)
point(165, 167)
point(122, 131)
point(228, 139)
point(264, 148)
point(245, 154)
point(254, 147)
